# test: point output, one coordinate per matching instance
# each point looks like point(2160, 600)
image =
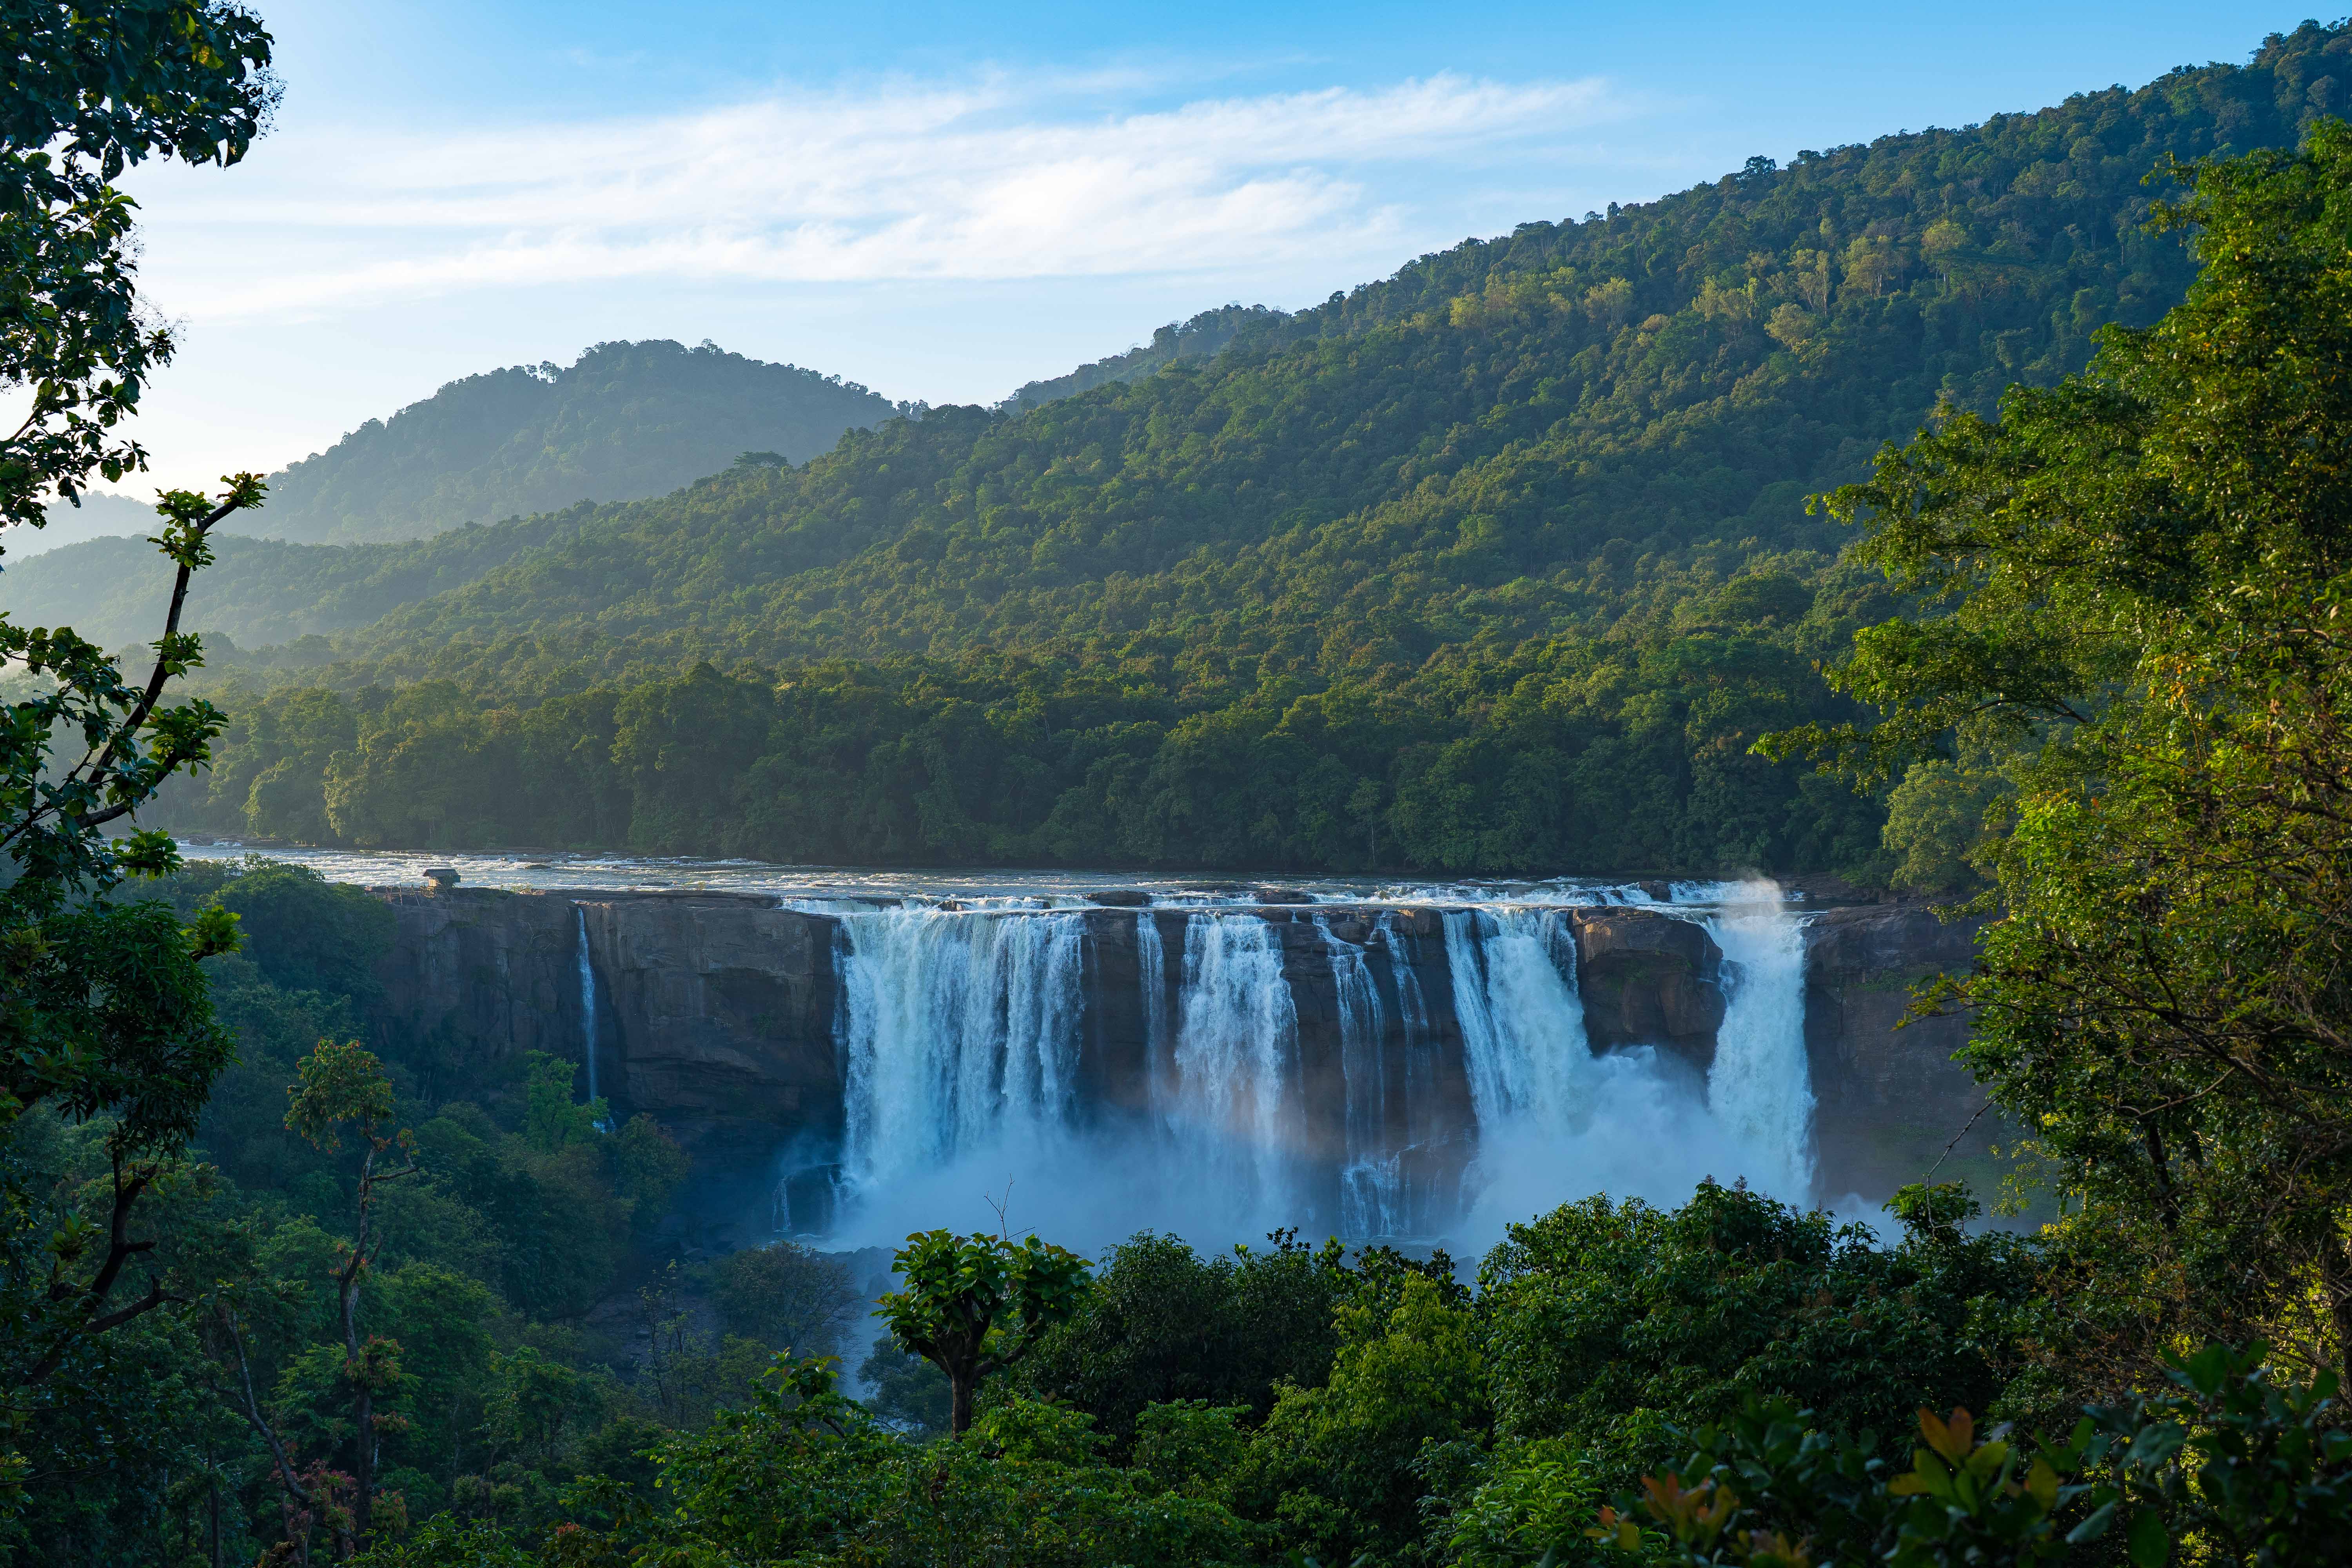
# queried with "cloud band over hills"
point(992, 179)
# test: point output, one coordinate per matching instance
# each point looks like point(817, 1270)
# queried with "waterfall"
point(961, 1035)
point(1371, 1181)
point(587, 1004)
point(1394, 1113)
point(1760, 1087)
point(1522, 1022)
point(1413, 1006)
point(1237, 1052)
point(1422, 1122)
point(1152, 974)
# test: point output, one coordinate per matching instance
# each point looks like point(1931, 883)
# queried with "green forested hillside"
point(1501, 563)
point(625, 420)
point(279, 1296)
point(1200, 338)
point(113, 590)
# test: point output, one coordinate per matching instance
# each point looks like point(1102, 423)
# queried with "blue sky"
point(944, 201)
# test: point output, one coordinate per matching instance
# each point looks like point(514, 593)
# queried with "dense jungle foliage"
point(1501, 564)
point(544, 1306)
point(2131, 676)
point(624, 420)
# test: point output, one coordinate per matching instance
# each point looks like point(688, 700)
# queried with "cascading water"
point(1522, 1021)
point(1237, 1105)
point(1151, 976)
point(587, 1003)
point(1447, 1087)
point(1423, 1122)
point(961, 1035)
point(962, 1038)
point(1557, 1121)
point(1372, 1181)
point(1761, 1088)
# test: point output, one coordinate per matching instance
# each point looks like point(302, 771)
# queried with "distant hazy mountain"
point(113, 591)
point(626, 421)
point(99, 516)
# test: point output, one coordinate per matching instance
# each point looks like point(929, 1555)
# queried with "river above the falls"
point(824, 886)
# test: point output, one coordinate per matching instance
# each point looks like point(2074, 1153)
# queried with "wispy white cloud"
point(996, 177)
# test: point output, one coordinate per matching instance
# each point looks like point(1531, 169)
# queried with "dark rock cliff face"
point(721, 1015)
point(485, 971)
point(716, 1014)
point(1890, 1096)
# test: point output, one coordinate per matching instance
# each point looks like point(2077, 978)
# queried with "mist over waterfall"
point(1642, 1123)
point(1362, 1070)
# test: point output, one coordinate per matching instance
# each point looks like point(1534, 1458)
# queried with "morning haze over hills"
point(1500, 563)
point(624, 421)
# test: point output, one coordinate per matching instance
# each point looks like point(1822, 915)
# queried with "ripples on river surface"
point(825, 886)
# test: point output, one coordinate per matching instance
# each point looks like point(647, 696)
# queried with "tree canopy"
point(2132, 584)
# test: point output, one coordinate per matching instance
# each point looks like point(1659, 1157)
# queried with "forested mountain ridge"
point(1500, 563)
point(1202, 337)
point(624, 421)
point(113, 590)
point(1683, 373)
point(312, 1248)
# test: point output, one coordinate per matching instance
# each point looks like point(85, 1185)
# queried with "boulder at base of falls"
point(1648, 979)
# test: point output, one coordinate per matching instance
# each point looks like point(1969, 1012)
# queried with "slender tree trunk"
point(363, 1395)
point(2338, 1282)
point(959, 1389)
point(364, 1467)
point(298, 1504)
point(213, 1526)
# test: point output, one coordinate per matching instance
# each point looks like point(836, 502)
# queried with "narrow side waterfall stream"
point(1364, 1072)
point(587, 1001)
point(1371, 1179)
point(1151, 984)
